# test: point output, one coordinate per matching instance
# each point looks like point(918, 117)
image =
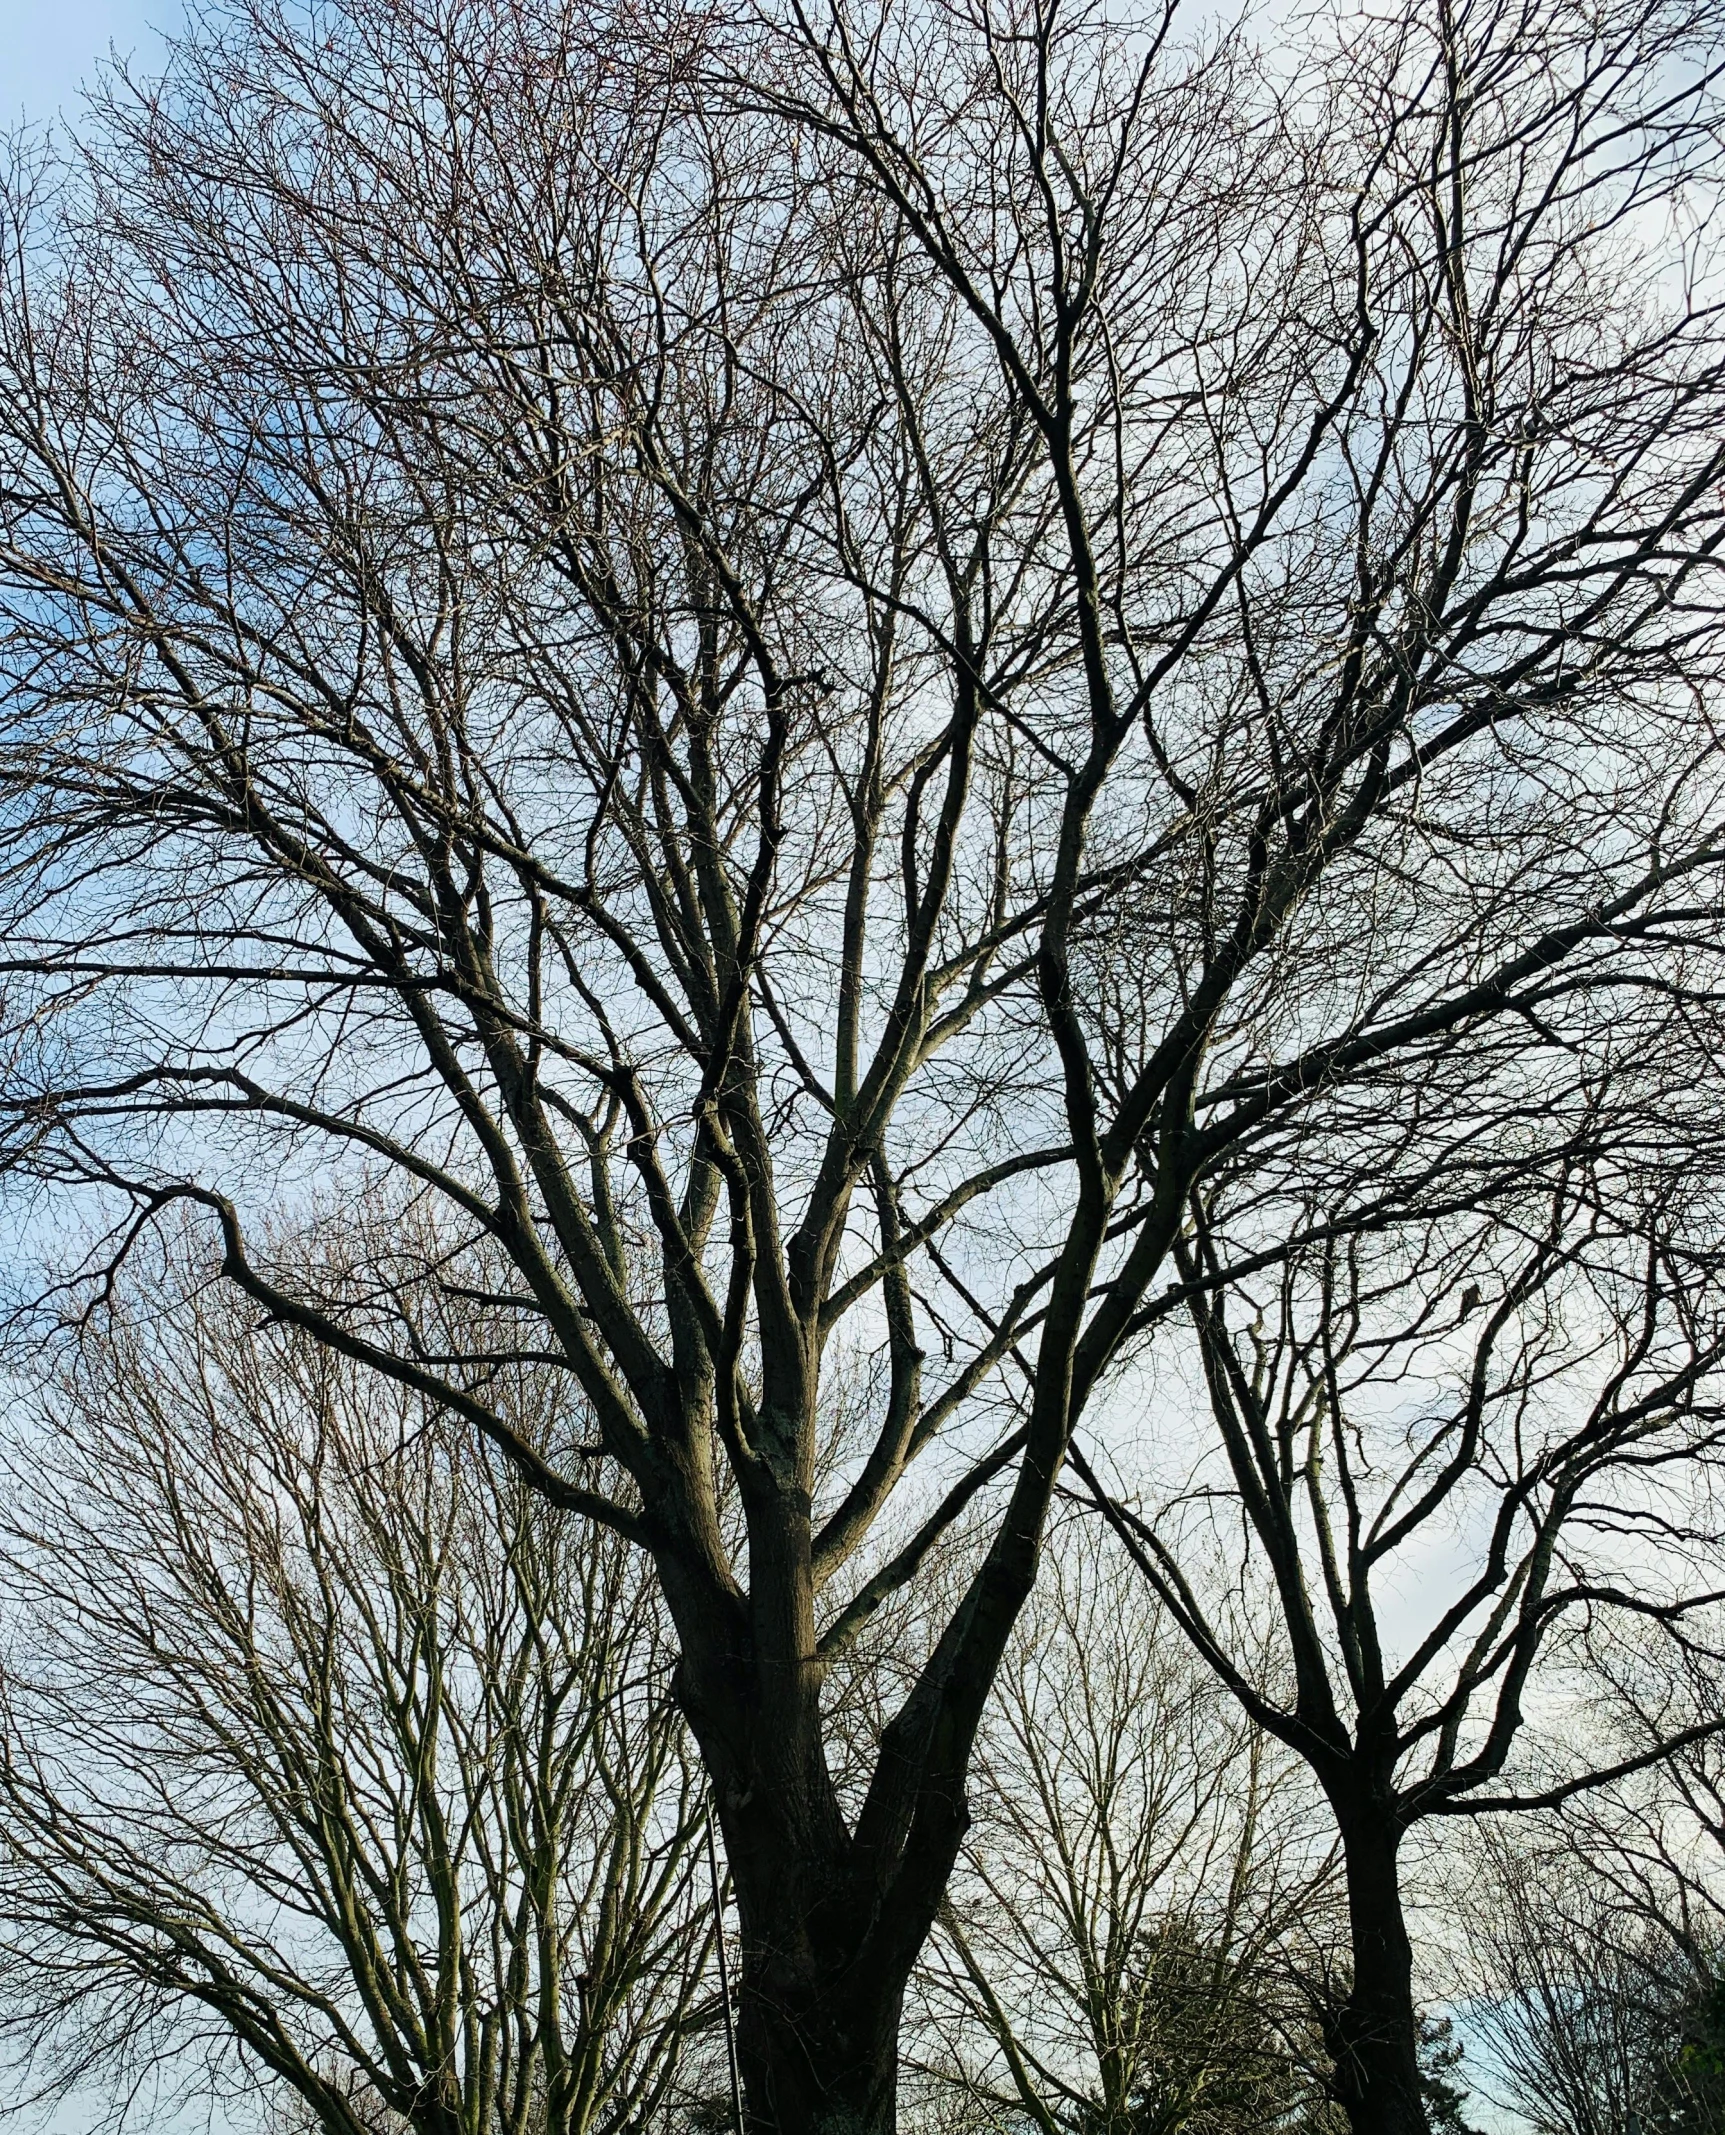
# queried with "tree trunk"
point(816, 2048)
point(1374, 2036)
point(817, 2012)
point(819, 1987)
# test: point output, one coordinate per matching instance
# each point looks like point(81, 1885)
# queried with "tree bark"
point(821, 1980)
point(817, 2047)
point(1374, 2036)
point(818, 2006)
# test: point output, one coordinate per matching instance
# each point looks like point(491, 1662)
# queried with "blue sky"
point(48, 47)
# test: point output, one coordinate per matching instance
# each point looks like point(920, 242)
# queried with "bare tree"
point(807, 664)
point(1147, 1894)
point(1452, 1454)
point(1580, 2006)
point(1598, 1930)
point(334, 1761)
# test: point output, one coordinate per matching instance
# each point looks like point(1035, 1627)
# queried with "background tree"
point(1147, 1893)
point(1597, 1931)
point(334, 1762)
point(814, 670)
point(1581, 2011)
point(1525, 1405)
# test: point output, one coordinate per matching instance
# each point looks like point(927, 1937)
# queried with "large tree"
point(804, 667)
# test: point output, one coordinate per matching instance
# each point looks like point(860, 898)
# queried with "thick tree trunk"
point(817, 2011)
point(820, 1984)
point(817, 2048)
point(1375, 2034)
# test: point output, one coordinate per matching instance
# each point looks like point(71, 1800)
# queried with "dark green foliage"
point(1440, 2059)
point(1689, 2092)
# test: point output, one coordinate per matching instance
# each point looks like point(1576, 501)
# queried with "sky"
point(49, 47)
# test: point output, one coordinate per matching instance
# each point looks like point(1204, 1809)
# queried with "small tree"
point(1582, 2008)
point(1599, 1931)
point(1441, 2057)
point(1145, 1888)
point(1531, 1394)
point(328, 1748)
